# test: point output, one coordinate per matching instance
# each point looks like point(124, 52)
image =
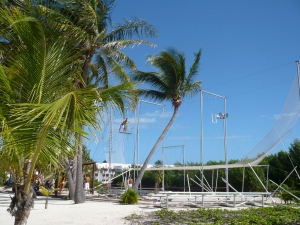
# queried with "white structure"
point(103, 173)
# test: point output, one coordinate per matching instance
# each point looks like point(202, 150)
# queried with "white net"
point(284, 126)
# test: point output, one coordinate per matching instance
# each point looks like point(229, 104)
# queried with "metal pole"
point(217, 180)
point(138, 137)
point(212, 94)
point(285, 190)
point(212, 180)
point(225, 144)
point(138, 145)
point(284, 181)
point(184, 167)
point(267, 181)
point(163, 165)
point(110, 145)
point(243, 180)
point(201, 132)
point(188, 183)
point(135, 145)
point(163, 144)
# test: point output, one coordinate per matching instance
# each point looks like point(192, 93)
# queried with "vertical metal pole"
point(163, 144)
point(212, 180)
point(163, 165)
point(135, 144)
point(184, 168)
point(217, 180)
point(234, 203)
point(187, 176)
point(110, 144)
point(243, 180)
point(138, 142)
point(138, 136)
point(201, 133)
point(167, 201)
point(267, 181)
point(225, 144)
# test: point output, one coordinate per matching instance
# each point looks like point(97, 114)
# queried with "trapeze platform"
point(124, 132)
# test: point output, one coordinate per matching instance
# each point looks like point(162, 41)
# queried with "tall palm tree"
point(171, 83)
point(101, 45)
point(42, 109)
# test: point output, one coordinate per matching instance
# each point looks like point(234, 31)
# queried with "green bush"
point(129, 197)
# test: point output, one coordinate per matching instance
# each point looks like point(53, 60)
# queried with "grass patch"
point(277, 215)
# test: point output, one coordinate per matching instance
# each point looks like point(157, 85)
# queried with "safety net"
point(285, 123)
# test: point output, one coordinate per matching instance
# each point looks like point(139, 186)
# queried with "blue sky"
point(249, 50)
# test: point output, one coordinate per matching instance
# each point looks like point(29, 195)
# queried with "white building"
point(103, 172)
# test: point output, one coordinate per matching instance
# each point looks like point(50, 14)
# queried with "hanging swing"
point(124, 127)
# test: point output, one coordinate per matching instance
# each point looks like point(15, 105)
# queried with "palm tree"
point(43, 111)
point(101, 54)
point(171, 83)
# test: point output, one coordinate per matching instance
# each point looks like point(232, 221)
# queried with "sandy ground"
point(66, 212)
point(93, 212)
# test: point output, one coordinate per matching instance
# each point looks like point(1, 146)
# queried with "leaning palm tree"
point(170, 82)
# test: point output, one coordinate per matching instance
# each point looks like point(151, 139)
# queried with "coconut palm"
point(171, 83)
point(101, 47)
point(43, 110)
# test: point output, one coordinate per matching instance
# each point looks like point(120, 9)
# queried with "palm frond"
point(134, 27)
point(119, 96)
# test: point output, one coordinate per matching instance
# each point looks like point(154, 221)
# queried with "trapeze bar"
point(151, 102)
point(213, 94)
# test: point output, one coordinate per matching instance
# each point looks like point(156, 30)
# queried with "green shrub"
point(129, 197)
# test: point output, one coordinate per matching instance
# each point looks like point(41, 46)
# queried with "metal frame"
point(163, 164)
point(225, 133)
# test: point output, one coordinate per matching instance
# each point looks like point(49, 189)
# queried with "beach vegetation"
point(279, 215)
point(46, 192)
point(130, 197)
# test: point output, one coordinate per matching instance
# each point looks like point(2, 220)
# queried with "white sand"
point(66, 212)
point(92, 212)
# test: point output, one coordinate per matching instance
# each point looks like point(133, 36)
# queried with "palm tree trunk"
point(71, 181)
point(56, 184)
point(24, 202)
point(79, 196)
point(46, 203)
point(159, 140)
